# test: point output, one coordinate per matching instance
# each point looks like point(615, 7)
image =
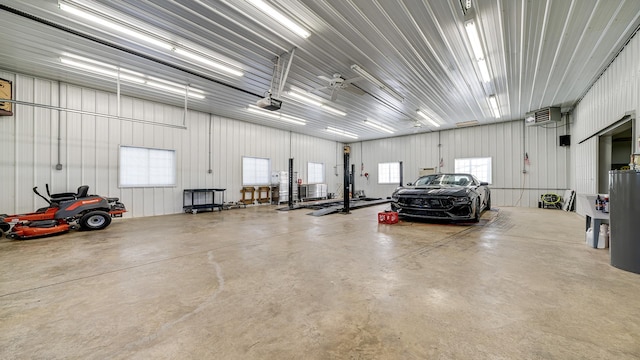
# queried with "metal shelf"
point(194, 200)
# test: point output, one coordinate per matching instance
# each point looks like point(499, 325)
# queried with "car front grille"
point(427, 203)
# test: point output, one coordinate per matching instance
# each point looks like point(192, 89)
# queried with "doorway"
point(615, 147)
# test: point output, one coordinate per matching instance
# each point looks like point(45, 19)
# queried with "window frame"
point(386, 173)
point(468, 168)
point(256, 177)
point(315, 171)
point(145, 164)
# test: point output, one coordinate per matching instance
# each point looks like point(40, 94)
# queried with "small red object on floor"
point(388, 217)
point(382, 217)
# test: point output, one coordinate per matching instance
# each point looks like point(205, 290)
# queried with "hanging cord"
point(524, 181)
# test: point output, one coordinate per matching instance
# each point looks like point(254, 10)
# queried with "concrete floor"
point(257, 283)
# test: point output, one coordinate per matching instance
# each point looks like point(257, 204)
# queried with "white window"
point(479, 167)
point(145, 167)
point(389, 173)
point(256, 171)
point(315, 173)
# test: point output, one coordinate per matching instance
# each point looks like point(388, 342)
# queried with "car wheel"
point(476, 217)
point(488, 206)
point(95, 220)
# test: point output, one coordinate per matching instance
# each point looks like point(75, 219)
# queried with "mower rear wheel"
point(95, 220)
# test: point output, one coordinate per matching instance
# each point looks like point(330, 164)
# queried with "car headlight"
point(461, 200)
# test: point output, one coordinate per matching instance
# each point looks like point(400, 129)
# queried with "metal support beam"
point(345, 191)
point(290, 183)
point(352, 178)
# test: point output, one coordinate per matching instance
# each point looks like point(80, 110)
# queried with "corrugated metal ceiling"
point(539, 53)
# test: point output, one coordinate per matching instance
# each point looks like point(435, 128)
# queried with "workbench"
point(195, 200)
point(594, 218)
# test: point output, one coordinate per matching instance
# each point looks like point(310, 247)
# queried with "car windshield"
point(445, 179)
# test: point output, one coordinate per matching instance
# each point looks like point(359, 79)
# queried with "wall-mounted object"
point(543, 116)
point(565, 140)
point(6, 92)
point(426, 171)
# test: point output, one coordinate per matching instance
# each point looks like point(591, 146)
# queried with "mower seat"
point(82, 192)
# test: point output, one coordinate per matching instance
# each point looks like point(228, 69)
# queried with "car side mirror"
point(409, 184)
point(483, 183)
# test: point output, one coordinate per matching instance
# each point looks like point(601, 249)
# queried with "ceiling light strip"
point(204, 60)
point(476, 47)
point(116, 72)
point(333, 110)
point(341, 132)
point(279, 17)
point(218, 64)
point(382, 86)
point(428, 118)
point(114, 26)
point(309, 100)
point(378, 126)
point(494, 106)
point(276, 115)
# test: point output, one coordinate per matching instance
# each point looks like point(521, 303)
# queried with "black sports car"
point(443, 196)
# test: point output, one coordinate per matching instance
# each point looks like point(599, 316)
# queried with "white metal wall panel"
point(44, 93)
point(90, 147)
point(25, 141)
point(8, 150)
point(613, 96)
point(503, 142)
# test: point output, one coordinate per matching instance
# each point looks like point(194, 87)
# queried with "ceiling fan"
point(337, 82)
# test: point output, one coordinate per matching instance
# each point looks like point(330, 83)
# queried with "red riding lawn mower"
point(66, 211)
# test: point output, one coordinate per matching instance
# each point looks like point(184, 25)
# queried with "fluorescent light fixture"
point(277, 16)
point(494, 106)
point(102, 19)
point(204, 60)
point(474, 39)
point(258, 110)
point(301, 97)
point(114, 26)
point(333, 110)
point(467, 123)
point(293, 120)
point(476, 46)
point(310, 100)
point(196, 90)
point(116, 72)
point(341, 132)
point(362, 72)
point(276, 115)
point(428, 118)
point(175, 90)
point(484, 70)
point(378, 126)
point(102, 71)
point(96, 62)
